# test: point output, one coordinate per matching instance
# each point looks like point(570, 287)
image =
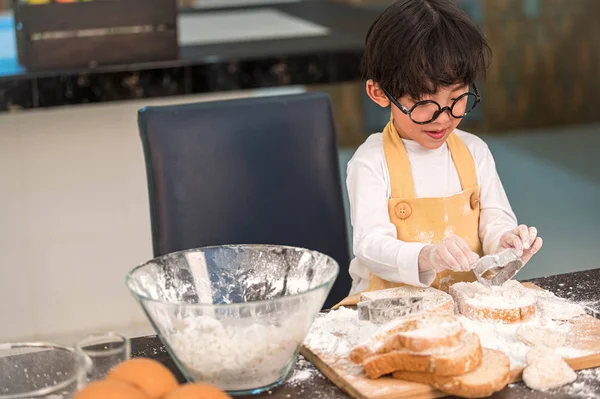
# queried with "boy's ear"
point(376, 94)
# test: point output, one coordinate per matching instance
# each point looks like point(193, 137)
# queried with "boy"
point(426, 200)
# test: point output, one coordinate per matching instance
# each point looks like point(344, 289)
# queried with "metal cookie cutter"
point(379, 311)
point(498, 268)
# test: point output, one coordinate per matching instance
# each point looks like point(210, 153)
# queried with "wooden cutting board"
point(584, 335)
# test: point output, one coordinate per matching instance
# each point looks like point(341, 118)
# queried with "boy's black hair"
point(417, 46)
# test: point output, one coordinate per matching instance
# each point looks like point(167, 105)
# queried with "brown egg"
point(150, 376)
point(112, 389)
point(197, 391)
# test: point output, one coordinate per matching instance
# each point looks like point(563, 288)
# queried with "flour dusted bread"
point(424, 333)
point(434, 301)
point(533, 335)
point(491, 376)
point(460, 360)
point(509, 303)
point(555, 308)
point(546, 370)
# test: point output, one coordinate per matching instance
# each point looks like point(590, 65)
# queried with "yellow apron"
point(429, 220)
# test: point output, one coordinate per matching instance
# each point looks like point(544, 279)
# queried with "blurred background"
point(74, 210)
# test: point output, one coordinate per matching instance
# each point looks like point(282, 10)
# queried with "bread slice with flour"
point(424, 333)
point(434, 301)
point(459, 360)
point(535, 335)
point(491, 376)
point(509, 303)
point(552, 307)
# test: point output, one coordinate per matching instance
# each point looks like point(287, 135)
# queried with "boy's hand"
point(452, 253)
point(524, 240)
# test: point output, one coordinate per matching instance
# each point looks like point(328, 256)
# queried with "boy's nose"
point(444, 116)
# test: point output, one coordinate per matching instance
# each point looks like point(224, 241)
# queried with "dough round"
point(546, 370)
point(542, 377)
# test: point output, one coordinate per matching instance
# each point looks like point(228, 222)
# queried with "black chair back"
point(251, 171)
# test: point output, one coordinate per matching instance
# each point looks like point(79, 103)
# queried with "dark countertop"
point(307, 382)
point(205, 68)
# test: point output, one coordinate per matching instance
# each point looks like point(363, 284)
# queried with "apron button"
point(403, 210)
point(474, 201)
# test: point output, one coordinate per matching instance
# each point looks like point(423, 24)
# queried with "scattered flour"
point(503, 337)
point(429, 331)
point(426, 237)
point(590, 374)
point(301, 376)
point(333, 335)
point(303, 373)
point(337, 332)
point(587, 385)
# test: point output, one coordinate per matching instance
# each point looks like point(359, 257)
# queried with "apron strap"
point(398, 165)
point(463, 161)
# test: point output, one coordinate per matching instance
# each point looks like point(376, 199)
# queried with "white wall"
point(74, 219)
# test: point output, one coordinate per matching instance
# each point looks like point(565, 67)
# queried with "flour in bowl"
point(236, 356)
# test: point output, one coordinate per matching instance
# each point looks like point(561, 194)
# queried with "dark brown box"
point(93, 33)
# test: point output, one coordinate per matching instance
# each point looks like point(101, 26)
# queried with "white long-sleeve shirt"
point(376, 246)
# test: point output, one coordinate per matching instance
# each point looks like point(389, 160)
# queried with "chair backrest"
point(252, 171)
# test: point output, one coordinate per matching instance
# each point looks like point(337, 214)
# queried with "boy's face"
point(431, 135)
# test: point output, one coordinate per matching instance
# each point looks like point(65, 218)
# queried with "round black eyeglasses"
point(427, 111)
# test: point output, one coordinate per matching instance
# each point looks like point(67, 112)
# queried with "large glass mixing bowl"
point(234, 316)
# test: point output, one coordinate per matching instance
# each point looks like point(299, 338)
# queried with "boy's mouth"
point(436, 134)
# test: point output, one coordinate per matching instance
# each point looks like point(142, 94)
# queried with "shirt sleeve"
point(374, 241)
point(497, 216)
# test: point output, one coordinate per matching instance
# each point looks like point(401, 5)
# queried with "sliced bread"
point(491, 376)
point(434, 301)
point(462, 359)
point(424, 333)
point(509, 303)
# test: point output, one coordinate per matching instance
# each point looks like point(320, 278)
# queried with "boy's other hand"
point(524, 240)
point(452, 253)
